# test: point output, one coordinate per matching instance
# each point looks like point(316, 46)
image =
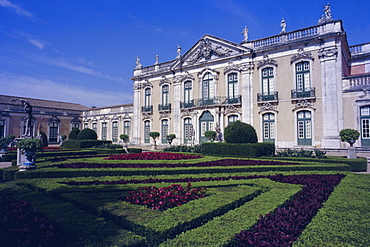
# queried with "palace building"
point(297, 89)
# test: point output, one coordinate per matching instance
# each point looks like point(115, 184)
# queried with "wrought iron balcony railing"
point(148, 108)
point(219, 100)
point(165, 107)
point(306, 93)
point(272, 96)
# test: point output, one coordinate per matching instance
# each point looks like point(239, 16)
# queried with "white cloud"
point(20, 11)
point(80, 68)
point(29, 37)
point(40, 88)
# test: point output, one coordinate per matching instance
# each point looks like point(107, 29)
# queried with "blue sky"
point(84, 51)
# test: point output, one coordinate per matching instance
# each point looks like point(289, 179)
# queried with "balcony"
point(147, 109)
point(272, 96)
point(188, 104)
point(220, 100)
point(165, 107)
point(307, 93)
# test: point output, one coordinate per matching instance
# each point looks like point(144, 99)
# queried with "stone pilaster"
point(247, 92)
point(176, 111)
point(136, 122)
point(331, 96)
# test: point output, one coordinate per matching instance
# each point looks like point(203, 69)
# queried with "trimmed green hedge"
point(78, 144)
point(242, 150)
point(9, 157)
point(357, 165)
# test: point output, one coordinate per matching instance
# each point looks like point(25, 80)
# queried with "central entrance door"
point(206, 122)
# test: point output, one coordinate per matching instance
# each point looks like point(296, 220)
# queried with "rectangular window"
point(115, 132)
point(53, 132)
point(266, 130)
point(95, 127)
point(104, 131)
point(126, 128)
point(300, 129)
point(308, 129)
point(203, 128)
point(272, 130)
point(366, 128)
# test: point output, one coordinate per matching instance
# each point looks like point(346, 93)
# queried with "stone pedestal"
point(352, 153)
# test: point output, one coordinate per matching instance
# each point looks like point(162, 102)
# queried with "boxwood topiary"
point(87, 134)
point(239, 132)
point(73, 134)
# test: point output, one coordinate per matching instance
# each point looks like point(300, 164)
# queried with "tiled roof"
point(6, 99)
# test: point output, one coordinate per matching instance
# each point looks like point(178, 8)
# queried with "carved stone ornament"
point(248, 66)
point(187, 113)
point(231, 66)
point(206, 50)
point(146, 116)
point(231, 109)
point(214, 73)
point(103, 118)
point(164, 80)
point(303, 104)
point(163, 114)
point(328, 53)
point(266, 61)
point(126, 116)
point(301, 55)
point(147, 84)
point(267, 107)
point(185, 76)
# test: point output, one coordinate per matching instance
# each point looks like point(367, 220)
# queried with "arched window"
point(303, 81)
point(146, 131)
point(53, 123)
point(268, 121)
point(232, 118)
point(207, 89)
point(304, 128)
point(233, 89)
point(164, 130)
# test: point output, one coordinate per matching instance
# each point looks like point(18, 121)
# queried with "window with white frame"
point(365, 125)
point(268, 121)
point(164, 130)
point(126, 127)
point(115, 131)
point(268, 84)
point(188, 93)
point(304, 128)
point(188, 130)
point(104, 131)
point(232, 118)
point(146, 131)
point(95, 127)
point(165, 95)
point(303, 76)
point(207, 87)
point(148, 97)
point(233, 89)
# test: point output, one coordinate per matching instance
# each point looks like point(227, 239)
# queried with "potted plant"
point(125, 138)
point(350, 136)
point(28, 148)
point(170, 138)
point(154, 135)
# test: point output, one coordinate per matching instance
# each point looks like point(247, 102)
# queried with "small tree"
point(239, 132)
point(73, 134)
point(154, 135)
point(349, 135)
point(87, 134)
point(211, 135)
point(170, 138)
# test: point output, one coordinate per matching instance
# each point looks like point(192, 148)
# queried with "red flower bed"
point(23, 225)
point(166, 197)
point(153, 156)
point(225, 162)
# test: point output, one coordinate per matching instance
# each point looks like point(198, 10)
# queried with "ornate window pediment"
point(232, 67)
point(267, 107)
point(214, 73)
point(266, 61)
point(301, 55)
point(164, 80)
point(303, 104)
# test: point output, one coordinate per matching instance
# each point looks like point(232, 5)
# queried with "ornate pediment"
point(164, 80)
point(266, 61)
point(210, 48)
point(303, 104)
point(301, 55)
point(267, 107)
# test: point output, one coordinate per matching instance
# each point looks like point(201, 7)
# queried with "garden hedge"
point(241, 150)
point(78, 144)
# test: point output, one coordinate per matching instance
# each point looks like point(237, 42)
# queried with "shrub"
point(124, 137)
point(211, 135)
point(184, 148)
point(239, 132)
point(238, 149)
point(87, 134)
point(73, 134)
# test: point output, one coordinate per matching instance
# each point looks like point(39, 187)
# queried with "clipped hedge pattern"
point(241, 150)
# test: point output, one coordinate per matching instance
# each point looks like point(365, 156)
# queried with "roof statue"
point(283, 25)
point(178, 51)
point(138, 64)
point(327, 14)
point(245, 32)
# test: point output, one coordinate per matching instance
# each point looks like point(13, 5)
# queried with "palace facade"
point(297, 88)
